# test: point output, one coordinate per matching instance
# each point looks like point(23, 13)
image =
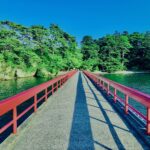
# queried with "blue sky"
point(80, 17)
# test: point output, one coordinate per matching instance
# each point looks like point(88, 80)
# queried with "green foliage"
point(37, 49)
point(119, 51)
point(41, 51)
point(89, 49)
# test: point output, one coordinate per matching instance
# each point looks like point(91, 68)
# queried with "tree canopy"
point(119, 51)
point(41, 51)
point(37, 49)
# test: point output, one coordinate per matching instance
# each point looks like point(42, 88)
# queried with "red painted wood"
point(138, 96)
point(11, 103)
point(148, 121)
point(115, 95)
point(35, 103)
point(6, 127)
point(46, 95)
point(126, 104)
point(14, 120)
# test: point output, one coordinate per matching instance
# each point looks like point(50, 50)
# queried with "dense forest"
point(120, 51)
point(39, 51)
point(36, 50)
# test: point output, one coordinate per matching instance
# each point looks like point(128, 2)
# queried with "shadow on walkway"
point(85, 134)
point(81, 137)
point(111, 127)
point(108, 121)
point(81, 133)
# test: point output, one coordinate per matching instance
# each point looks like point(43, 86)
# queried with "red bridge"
point(81, 111)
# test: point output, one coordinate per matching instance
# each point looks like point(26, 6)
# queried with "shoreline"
point(32, 76)
point(121, 72)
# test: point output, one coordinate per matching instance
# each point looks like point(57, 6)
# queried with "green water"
point(139, 81)
point(11, 87)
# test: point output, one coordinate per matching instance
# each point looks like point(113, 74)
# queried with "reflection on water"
point(139, 81)
point(14, 86)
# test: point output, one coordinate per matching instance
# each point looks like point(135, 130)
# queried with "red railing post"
point(115, 95)
point(60, 82)
point(46, 95)
point(126, 104)
point(35, 103)
point(14, 120)
point(56, 85)
point(108, 88)
point(14, 101)
point(52, 89)
point(148, 121)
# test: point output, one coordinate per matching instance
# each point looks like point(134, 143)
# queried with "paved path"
point(77, 117)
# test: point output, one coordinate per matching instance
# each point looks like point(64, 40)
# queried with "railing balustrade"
point(128, 92)
point(12, 103)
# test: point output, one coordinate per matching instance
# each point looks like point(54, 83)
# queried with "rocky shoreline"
point(10, 73)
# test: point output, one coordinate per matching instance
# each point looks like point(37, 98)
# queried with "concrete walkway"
point(77, 117)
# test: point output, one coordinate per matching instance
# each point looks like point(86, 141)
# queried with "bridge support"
point(46, 94)
point(35, 103)
point(148, 121)
point(108, 88)
point(115, 95)
point(52, 89)
point(14, 120)
point(56, 85)
point(126, 104)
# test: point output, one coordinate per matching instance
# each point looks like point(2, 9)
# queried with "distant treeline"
point(40, 51)
point(120, 51)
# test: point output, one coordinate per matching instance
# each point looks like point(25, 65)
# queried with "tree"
point(89, 49)
point(112, 52)
point(146, 45)
point(44, 51)
point(37, 48)
point(136, 53)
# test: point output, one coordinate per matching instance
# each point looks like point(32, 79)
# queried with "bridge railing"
point(12, 103)
point(128, 92)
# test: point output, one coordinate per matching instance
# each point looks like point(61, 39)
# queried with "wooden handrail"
point(11, 103)
point(138, 96)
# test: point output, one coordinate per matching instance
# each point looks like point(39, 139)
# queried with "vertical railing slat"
point(148, 121)
point(126, 104)
point(14, 120)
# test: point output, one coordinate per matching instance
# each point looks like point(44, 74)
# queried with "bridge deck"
point(77, 117)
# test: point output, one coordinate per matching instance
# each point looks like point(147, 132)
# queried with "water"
point(139, 81)
point(12, 87)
